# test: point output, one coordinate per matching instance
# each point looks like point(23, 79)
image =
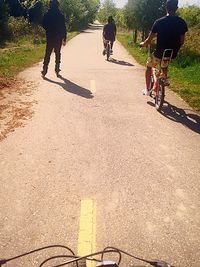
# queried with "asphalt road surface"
point(97, 165)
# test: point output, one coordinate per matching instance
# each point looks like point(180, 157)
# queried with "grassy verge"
point(18, 55)
point(184, 71)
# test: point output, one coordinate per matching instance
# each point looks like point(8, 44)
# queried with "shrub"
point(19, 27)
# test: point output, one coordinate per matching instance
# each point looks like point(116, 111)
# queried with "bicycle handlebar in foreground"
point(76, 259)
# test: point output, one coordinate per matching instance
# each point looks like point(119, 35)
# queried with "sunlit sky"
point(121, 3)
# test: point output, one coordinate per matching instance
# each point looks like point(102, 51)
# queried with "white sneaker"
point(145, 92)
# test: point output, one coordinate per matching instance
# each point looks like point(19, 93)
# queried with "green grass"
point(15, 60)
point(17, 55)
point(183, 72)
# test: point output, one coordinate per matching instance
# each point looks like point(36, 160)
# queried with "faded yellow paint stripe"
point(93, 86)
point(87, 229)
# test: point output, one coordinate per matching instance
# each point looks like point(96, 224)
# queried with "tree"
point(191, 14)
point(140, 14)
point(15, 8)
point(120, 18)
point(35, 11)
point(107, 9)
point(79, 13)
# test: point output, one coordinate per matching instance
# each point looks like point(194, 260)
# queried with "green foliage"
point(14, 60)
point(107, 9)
point(19, 27)
point(140, 14)
point(129, 13)
point(192, 40)
point(120, 18)
point(191, 15)
point(79, 13)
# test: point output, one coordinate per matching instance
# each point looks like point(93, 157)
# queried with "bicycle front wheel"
point(159, 99)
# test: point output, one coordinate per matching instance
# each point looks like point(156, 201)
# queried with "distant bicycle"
point(107, 50)
point(68, 259)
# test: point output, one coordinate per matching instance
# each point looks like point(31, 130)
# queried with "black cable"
point(57, 257)
point(65, 256)
point(34, 251)
point(132, 256)
point(85, 257)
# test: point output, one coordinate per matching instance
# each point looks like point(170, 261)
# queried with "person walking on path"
point(56, 34)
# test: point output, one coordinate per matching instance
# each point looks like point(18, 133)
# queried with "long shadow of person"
point(179, 115)
point(120, 62)
point(72, 87)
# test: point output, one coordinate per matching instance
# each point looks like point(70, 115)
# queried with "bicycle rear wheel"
point(159, 99)
point(108, 51)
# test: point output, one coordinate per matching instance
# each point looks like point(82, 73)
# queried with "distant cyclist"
point(170, 31)
point(109, 33)
point(54, 25)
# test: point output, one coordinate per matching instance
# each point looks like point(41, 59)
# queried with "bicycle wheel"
point(159, 99)
point(108, 51)
point(151, 85)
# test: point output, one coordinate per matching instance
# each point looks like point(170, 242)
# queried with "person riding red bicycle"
point(109, 34)
point(170, 31)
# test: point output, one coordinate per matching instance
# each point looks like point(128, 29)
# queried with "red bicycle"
point(159, 80)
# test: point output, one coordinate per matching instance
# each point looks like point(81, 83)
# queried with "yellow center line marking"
point(93, 86)
point(87, 229)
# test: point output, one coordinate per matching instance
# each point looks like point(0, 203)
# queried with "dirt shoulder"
point(15, 105)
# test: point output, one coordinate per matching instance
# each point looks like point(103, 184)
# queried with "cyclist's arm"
point(103, 34)
point(147, 42)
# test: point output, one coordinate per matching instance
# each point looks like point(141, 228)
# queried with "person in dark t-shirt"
point(170, 31)
point(56, 34)
point(109, 33)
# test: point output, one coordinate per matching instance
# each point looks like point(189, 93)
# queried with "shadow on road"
point(95, 27)
point(179, 115)
point(120, 62)
point(86, 31)
point(72, 87)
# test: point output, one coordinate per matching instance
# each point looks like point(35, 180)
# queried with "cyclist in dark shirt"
point(56, 34)
point(170, 31)
point(109, 33)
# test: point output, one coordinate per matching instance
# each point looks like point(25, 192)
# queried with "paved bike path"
point(93, 135)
